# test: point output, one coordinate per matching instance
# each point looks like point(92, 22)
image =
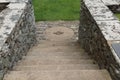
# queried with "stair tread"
point(59, 75)
point(39, 53)
point(57, 67)
point(56, 57)
point(54, 48)
point(54, 61)
point(58, 43)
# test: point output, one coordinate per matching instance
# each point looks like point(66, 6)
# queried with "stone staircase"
point(57, 60)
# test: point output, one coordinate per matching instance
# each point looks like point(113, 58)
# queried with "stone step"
point(57, 67)
point(56, 49)
point(64, 48)
point(30, 62)
point(57, 57)
point(53, 44)
point(59, 75)
point(59, 43)
point(70, 45)
point(39, 53)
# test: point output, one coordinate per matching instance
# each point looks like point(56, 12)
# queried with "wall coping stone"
point(17, 6)
point(110, 29)
point(111, 2)
point(99, 10)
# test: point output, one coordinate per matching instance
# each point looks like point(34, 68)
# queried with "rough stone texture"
point(17, 32)
point(114, 5)
point(59, 34)
point(98, 30)
point(42, 26)
point(111, 2)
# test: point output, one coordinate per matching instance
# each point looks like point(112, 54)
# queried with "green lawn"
point(118, 15)
point(47, 10)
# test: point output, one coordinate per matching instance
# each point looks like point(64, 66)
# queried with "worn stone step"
point(59, 75)
point(58, 43)
point(52, 61)
point(56, 49)
point(57, 57)
point(56, 67)
point(64, 48)
point(70, 45)
point(52, 44)
point(39, 53)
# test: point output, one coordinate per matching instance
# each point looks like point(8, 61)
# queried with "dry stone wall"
point(17, 32)
point(99, 34)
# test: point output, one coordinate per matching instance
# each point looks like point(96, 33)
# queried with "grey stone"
point(116, 47)
point(2, 75)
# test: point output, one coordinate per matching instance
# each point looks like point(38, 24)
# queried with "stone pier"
point(17, 32)
point(99, 33)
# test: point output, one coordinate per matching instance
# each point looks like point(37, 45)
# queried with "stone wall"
point(17, 32)
point(99, 30)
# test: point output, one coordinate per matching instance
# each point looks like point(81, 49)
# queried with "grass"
point(118, 15)
point(50, 10)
